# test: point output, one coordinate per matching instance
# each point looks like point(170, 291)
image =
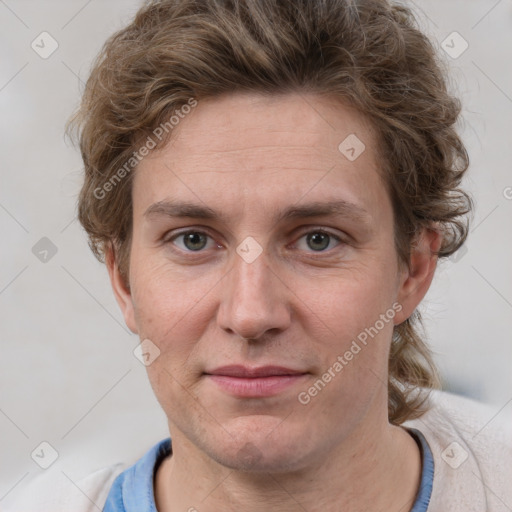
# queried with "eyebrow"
point(340, 208)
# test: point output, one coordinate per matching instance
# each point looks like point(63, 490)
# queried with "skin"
point(299, 304)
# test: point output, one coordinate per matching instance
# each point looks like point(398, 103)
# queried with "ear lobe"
point(121, 292)
point(418, 277)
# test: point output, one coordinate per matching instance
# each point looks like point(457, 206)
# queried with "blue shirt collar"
point(132, 490)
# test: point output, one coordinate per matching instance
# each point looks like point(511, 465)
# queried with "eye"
point(318, 240)
point(191, 241)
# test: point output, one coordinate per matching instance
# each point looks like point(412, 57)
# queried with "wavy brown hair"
point(370, 54)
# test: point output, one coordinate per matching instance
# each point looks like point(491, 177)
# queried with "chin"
point(250, 459)
point(260, 446)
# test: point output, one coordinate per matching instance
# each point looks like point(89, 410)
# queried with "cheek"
point(357, 324)
point(167, 313)
point(165, 299)
point(353, 338)
point(353, 302)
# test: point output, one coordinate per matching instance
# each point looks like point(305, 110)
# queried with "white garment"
point(457, 426)
point(471, 445)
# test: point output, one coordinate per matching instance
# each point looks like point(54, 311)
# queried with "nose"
point(254, 300)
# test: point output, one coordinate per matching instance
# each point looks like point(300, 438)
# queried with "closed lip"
point(241, 371)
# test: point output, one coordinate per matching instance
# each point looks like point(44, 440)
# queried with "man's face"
point(212, 299)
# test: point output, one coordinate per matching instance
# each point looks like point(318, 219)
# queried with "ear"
point(415, 280)
point(121, 290)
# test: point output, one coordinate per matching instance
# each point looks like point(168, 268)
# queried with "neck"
point(380, 470)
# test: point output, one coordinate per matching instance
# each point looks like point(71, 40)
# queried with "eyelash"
point(170, 240)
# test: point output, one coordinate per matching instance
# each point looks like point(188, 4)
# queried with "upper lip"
point(247, 372)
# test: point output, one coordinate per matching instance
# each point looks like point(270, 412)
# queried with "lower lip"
point(256, 387)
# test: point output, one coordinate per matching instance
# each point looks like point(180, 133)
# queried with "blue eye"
point(193, 241)
point(316, 240)
point(320, 240)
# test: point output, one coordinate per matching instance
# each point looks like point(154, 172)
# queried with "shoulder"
point(471, 444)
point(482, 426)
point(56, 491)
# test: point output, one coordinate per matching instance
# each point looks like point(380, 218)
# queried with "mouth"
point(244, 382)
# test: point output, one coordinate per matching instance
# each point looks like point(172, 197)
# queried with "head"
point(254, 116)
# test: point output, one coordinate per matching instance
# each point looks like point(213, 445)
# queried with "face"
point(261, 255)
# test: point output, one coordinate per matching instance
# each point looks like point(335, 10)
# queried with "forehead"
point(264, 150)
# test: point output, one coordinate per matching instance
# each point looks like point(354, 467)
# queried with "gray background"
point(67, 372)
